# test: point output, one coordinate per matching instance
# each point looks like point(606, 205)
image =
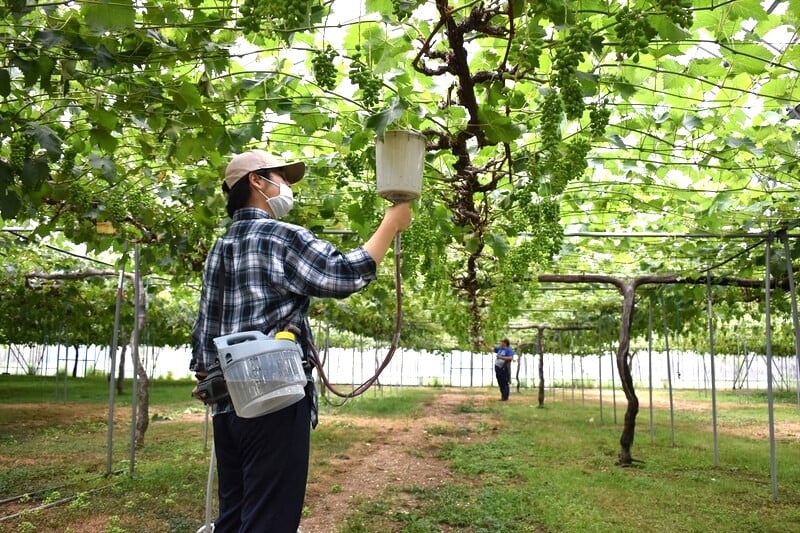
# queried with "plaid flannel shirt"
point(272, 269)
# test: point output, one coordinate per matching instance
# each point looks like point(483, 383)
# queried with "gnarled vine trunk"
point(626, 378)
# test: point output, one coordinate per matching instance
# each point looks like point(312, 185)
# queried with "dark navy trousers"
point(503, 374)
point(262, 466)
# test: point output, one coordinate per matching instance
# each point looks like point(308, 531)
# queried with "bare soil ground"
point(403, 454)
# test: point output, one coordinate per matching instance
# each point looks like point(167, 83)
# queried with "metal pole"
point(669, 370)
point(205, 428)
point(572, 375)
point(650, 365)
point(773, 469)
point(600, 367)
point(713, 384)
point(111, 373)
point(135, 355)
point(58, 360)
point(795, 319)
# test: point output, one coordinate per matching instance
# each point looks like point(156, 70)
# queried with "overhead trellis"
point(589, 115)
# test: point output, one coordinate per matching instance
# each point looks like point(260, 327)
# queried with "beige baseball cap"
point(252, 160)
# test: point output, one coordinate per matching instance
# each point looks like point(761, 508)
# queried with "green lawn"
point(550, 469)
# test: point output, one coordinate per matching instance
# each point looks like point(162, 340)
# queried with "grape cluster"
point(598, 116)
point(79, 198)
point(138, 202)
point(552, 111)
point(21, 148)
point(569, 165)
point(115, 208)
point(528, 55)
point(678, 11)
point(259, 16)
point(354, 163)
point(363, 77)
point(402, 9)
point(633, 31)
point(565, 66)
point(570, 54)
point(65, 172)
point(545, 235)
point(572, 99)
point(323, 68)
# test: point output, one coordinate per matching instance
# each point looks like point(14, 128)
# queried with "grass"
point(550, 469)
point(45, 389)
point(553, 469)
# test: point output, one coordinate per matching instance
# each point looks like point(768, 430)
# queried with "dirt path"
point(402, 454)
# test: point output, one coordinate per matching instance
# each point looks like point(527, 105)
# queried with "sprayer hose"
point(361, 389)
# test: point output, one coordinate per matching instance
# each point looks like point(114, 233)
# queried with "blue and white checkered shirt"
point(272, 269)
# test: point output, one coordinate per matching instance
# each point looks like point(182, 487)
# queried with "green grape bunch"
point(552, 113)
point(354, 162)
point(67, 169)
point(259, 16)
point(21, 148)
point(80, 199)
point(633, 31)
point(568, 165)
point(598, 117)
point(570, 54)
point(402, 9)
point(572, 98)
point(363, 77)
point(678, 11)
point(546, 235)
point(323, 68)
point(115, 208)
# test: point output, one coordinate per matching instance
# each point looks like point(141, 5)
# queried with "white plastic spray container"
point(263, 374)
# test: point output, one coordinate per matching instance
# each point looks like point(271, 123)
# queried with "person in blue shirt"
point(504, 354)
point(260, 276)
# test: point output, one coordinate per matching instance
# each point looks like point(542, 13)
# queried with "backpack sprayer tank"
point(400, 158)
point(263, 374)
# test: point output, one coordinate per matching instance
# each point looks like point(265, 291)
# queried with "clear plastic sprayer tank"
point(400, 158)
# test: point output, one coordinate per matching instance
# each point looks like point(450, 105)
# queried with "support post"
point(795, 319)
point(773, 469)
point(112, 378)
point(135, 357)
point(713, 378)
point(650, 365)
point(669, 370)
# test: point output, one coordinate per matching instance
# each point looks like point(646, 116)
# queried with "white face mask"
point(281, 204)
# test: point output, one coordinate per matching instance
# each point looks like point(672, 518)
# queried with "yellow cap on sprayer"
point(285, 335)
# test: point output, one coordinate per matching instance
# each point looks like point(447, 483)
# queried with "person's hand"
point(399, 216)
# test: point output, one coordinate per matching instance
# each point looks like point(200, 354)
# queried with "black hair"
point(238, 196)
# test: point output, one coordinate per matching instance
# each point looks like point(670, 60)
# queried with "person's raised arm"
point(397, 218)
